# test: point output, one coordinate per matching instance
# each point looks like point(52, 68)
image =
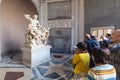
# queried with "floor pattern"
point(13, 75)
point(58, 68)
point(53, 70)
point(16, 74)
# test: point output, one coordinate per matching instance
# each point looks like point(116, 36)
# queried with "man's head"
point(87, 36)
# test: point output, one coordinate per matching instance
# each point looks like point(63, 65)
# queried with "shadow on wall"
point(14, 24)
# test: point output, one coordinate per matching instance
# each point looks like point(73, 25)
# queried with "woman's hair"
point(82, 46)
point(108, 35)
point(101, 55)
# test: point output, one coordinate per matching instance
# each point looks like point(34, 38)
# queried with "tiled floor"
point(15, 74)
point(58, 68)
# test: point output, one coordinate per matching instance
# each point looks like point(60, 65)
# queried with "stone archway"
point(14, 25)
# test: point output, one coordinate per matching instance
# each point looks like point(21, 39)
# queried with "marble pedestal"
point(34, 55)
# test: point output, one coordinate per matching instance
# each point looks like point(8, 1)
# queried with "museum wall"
point(13, 23)
point(102, 13)
point(59, 20)
point(59, 10)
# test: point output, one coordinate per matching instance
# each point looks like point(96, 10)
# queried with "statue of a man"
point(36, 33)
point(33, 21)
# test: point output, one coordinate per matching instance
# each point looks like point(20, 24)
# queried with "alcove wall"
point(13, 23)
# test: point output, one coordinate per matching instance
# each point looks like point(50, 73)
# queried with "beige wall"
point(14, 24)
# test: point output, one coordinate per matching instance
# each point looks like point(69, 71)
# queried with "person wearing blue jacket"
point(90, 45)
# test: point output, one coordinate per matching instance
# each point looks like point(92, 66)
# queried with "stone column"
point(43, 12)
point(72, 22)
point(77, 21)
point(0, 28)
point(81, 21)
point(0, 50)
point(74, 12)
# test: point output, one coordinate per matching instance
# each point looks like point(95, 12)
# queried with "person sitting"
point(81, 60)
point(102, 70)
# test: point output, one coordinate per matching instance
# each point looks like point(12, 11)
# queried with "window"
point(98, 31)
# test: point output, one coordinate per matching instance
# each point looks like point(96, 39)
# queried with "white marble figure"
point(36, 35)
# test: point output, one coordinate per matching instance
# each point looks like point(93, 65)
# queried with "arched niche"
point(0, 1)
point(13, 23)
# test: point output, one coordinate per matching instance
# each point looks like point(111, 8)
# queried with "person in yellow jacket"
point(81, 59)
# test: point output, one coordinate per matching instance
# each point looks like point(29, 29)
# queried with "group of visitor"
point(94, 60)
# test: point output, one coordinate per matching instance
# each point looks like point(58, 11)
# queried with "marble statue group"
point(36, 35)
point(35, 48)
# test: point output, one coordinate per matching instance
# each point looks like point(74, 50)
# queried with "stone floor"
point(57, 68)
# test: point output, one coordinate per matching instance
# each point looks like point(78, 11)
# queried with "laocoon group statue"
point(36, 35)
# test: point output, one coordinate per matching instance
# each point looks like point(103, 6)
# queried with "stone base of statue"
point(34, 55)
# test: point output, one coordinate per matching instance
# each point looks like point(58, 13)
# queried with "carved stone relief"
point(64, 23)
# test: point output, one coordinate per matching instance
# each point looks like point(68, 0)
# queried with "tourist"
point(104, 43)
point(81, 60)
point(108, 36)
point(115, 51)
point(102, 70)
point(90, 45)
